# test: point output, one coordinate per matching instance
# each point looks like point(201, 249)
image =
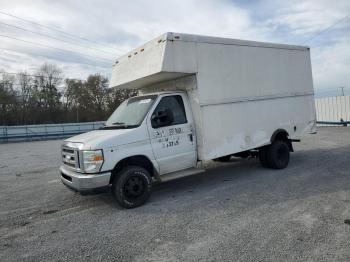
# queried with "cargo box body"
point(240, 92)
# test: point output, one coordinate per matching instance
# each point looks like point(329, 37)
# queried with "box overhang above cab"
point(159, 60)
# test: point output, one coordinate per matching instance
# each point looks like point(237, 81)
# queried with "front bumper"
point(81, 182)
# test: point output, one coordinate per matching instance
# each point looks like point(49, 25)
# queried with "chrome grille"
point(70, 157)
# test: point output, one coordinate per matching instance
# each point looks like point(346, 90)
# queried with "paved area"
point(235, 212)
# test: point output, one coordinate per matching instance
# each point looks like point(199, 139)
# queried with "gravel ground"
point(233, 212)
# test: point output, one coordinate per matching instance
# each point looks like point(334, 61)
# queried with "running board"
point(181, 173)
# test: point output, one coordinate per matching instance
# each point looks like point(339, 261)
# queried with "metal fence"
point(43, 132)
point(333, 110)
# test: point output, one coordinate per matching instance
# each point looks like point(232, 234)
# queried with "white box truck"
point(201, 98)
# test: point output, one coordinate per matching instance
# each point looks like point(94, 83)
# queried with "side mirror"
point(162, 118)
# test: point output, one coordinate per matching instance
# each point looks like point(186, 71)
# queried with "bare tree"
point(73, 97)
point(25, 84)
point(96, 86)
point(48, 79)
point(7, 98)
point(46, 83)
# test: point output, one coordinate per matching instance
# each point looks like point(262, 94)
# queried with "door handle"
point(191, 137)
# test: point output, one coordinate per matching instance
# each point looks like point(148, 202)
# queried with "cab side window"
point(170, 111)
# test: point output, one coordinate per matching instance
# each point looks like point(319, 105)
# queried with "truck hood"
point(109, 138)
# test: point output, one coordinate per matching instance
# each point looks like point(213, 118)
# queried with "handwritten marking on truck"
point(168, 132)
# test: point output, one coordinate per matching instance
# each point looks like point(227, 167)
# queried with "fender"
point(282, 135)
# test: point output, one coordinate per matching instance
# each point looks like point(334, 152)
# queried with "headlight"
point(92, 161)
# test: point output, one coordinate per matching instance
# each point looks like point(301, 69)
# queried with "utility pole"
point(342, 90)
point(77, 113)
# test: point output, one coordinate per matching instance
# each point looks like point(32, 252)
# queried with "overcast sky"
point(101, 30)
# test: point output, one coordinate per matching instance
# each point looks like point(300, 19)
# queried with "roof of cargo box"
point(227, 41)
point(159, 61)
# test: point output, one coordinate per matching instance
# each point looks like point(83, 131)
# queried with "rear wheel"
point(132, 187)
point(277, 155)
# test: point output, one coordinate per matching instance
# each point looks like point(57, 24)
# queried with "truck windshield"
point(131, 112)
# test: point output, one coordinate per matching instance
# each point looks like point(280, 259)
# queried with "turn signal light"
point(98, 158)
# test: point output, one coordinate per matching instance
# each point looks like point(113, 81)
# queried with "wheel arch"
point(136, 160)
point(282, 135)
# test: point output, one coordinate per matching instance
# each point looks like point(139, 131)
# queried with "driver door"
point(171, 133)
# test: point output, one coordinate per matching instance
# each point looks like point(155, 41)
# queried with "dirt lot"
point(235, 212)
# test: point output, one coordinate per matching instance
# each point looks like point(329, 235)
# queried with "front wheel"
point(132, 187)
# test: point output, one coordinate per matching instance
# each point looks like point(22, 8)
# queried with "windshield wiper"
point(118, 123)
point(121, 126)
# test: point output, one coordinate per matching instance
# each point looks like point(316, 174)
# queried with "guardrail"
point(44, 132)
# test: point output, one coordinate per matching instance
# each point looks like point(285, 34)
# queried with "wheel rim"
point(134, 187)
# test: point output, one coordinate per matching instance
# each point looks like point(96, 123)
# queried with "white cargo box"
point(240, 91)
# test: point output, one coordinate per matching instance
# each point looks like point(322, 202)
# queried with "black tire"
point(223, 159)
point(132, 187)
point(278, 155)
point(263, 156)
